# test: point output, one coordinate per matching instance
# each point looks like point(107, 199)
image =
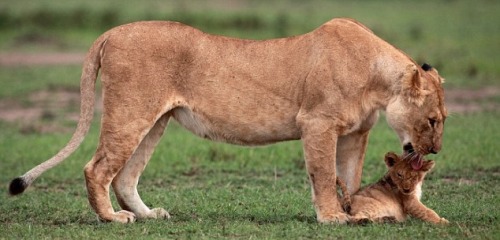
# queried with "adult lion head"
point(418, 112)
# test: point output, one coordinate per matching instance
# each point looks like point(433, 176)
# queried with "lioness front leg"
point(351, 151)
point(125, 183)
point(319, 142)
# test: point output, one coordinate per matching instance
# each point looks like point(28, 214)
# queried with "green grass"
point(215, 190)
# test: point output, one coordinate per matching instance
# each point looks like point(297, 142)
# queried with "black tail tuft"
point(17, 186)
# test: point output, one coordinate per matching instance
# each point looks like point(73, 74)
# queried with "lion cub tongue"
point(417, 163)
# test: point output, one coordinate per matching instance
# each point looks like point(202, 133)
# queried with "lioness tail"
point(91, 66)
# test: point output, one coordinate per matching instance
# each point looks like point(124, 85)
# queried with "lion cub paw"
point(359, 220)
point(338, 218)
point(123, 217)
point(159, 213)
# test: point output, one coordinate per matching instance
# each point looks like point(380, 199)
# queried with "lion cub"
point(392, 198)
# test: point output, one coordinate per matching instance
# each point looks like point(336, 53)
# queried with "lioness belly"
point(246, 130)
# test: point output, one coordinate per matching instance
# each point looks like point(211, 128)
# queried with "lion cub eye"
point(432, 122)
point(400, 176)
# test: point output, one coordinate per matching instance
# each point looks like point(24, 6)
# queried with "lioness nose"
point(408, 148)
point(433, 150)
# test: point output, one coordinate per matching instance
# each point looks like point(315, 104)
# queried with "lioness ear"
point(428, 68)
point(427, 165)
point(411, 85)
point(391, 159)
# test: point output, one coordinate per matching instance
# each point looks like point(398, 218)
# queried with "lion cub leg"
point(363, 214)
point(125, 183)
point(415, 208)
point(117, 143)
point(363, 219)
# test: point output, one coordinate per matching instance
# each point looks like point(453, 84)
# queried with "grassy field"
point(215, 190)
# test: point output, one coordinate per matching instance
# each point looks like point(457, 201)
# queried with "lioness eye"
point(432, 122)
point(399, 175)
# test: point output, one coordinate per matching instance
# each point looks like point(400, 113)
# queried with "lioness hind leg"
point(125, 183)
point(118, 141)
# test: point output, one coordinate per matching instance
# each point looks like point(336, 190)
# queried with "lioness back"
point(250, 89)
point(217, 82)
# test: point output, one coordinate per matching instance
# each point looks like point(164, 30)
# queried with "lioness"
point(394, 197)
point(325, 87)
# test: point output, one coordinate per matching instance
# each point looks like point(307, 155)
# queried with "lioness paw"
point(159, 213)
point(339, 218)
point(123, 217)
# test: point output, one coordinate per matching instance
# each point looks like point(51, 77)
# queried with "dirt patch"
point(25, 59)
point(460, 181)
point(471, 101)
point(45, 111)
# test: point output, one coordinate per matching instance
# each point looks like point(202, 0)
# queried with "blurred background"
point(459, 37)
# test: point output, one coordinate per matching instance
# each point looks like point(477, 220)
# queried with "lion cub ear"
point(391, 159)
point(427, 165)
point(411, 85)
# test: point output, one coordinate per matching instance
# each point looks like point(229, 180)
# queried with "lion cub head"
point(403, 175)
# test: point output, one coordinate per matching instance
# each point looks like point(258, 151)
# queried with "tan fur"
point(324, 87)
point(394, 197)
point(344, 196)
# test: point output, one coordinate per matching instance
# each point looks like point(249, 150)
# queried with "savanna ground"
point(215, 190)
